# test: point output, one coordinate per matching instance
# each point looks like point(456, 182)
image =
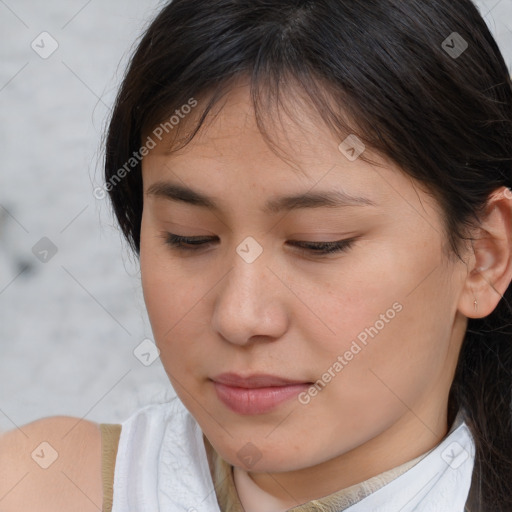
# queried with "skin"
point(292, 314)
point(73, 479)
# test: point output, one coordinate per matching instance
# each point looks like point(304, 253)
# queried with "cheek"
point(168, 311)
point(360, 306)
point(157, 284)
point(172, 302)
point(393, 330)
point(163, 286)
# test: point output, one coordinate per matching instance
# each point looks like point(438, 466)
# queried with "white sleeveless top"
point(162, 466)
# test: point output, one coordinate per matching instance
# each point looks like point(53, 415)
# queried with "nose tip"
point(247, 306)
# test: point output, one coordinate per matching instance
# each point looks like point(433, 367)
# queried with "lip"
point(257, 380)
point(257, 393)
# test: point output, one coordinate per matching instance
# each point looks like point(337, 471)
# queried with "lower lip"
point(256, 400)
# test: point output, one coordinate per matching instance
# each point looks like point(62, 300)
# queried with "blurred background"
point(74, 334)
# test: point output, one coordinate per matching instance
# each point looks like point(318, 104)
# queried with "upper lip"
point(259, 380)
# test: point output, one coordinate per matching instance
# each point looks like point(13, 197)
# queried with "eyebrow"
point(329, 199)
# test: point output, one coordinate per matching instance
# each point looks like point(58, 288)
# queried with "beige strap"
point(110, 434)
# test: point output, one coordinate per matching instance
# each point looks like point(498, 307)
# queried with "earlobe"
point(490, 272)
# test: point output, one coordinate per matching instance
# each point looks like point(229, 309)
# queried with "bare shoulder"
point(51, 464)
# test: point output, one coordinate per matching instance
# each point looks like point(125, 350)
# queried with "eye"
point(180, 242)
point(191, 244)
point(323, 248)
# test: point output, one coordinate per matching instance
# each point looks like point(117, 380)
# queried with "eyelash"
point(316, 248)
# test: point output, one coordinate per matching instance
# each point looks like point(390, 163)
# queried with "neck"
point(260, 492)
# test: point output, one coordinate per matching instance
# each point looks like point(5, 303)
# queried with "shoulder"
point(51, 464)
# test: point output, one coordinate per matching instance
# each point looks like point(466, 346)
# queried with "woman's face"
point(352, 353)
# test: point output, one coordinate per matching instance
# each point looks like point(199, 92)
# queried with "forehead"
point(293, 133)
point(289, 124)
point(229, 156)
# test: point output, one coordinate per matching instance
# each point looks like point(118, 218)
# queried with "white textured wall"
point(68, 327)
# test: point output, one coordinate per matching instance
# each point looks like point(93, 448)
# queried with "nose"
point(250, 303)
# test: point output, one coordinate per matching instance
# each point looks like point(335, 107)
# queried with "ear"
point(489, 271)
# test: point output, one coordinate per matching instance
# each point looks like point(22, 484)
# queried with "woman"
point(318, 192)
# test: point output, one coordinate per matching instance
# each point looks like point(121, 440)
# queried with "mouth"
point(256, 394)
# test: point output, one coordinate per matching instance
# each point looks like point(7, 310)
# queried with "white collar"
point(162, 466)
point(440, 482)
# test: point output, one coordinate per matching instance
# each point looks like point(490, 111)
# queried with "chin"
point(263, 459)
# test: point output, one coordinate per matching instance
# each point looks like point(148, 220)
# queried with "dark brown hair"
point(400, 71)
